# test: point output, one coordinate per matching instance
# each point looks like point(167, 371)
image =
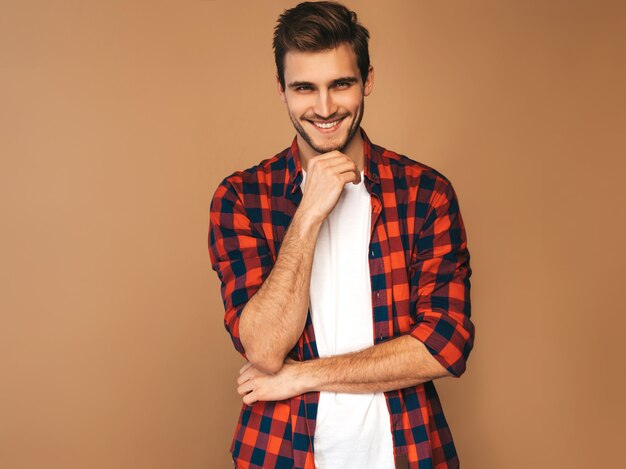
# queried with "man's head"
point(317, 26)
point(323, 72)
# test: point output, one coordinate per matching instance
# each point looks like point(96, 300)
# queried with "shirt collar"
point(371, 154)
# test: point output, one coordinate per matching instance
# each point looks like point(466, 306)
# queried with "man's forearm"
point(399, 363)
point(396, 364)
point(273, 319)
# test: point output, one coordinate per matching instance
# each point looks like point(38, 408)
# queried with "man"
point(345, 274)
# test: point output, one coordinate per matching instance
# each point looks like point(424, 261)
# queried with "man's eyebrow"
point(348, 79)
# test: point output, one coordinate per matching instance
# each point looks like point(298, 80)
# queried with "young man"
point(345, 274)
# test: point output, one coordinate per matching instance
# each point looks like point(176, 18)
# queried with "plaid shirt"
point(420, 278)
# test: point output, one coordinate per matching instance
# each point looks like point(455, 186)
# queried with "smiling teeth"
point(326, 126)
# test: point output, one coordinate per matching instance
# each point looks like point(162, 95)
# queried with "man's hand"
point(256, 385)
point(327, 175)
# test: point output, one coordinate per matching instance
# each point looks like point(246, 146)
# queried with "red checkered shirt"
point(420, 279)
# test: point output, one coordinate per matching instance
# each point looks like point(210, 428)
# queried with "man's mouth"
point(326, 125)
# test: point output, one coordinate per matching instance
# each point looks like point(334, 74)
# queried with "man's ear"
point(369, 82)
point(281, 92)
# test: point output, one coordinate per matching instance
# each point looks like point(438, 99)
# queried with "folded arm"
point(395, 364)
point(266, 303)
point(272, 321)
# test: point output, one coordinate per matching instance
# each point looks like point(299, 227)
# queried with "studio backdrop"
point(117, 121)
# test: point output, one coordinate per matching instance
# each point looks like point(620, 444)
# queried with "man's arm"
point(266, 306)
point(265, 303)
point(395, 364)
point(273, 319)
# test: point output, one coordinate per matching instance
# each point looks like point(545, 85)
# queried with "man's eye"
point(303, 88)
point(342, 84)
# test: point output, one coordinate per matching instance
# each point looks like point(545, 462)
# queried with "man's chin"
point(328, 146)
point(327, 149)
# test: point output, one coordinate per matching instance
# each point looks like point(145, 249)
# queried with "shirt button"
point(377, 294)
point(372, 253)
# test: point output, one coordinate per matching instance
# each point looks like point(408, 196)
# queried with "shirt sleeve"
point(239, 254)
point(440, 278)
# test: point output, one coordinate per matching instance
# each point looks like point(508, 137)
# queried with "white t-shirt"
point(352, 430)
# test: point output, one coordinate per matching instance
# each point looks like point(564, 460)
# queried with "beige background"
point(117, 121)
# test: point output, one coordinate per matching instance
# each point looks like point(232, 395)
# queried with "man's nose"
point(325, 106)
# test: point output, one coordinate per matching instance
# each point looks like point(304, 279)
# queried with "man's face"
point(325, 94)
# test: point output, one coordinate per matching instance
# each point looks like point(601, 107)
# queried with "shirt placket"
point(377, 274)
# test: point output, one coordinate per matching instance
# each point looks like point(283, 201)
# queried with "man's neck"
point(354, 151)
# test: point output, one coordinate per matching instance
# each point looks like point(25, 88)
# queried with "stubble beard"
point(341, 146)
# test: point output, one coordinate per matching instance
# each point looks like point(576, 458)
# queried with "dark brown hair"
point(318, 26)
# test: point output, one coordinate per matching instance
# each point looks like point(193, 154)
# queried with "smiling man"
point(345, 274)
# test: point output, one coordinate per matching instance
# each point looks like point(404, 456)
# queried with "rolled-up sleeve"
point(440, 282)
point(238, 253)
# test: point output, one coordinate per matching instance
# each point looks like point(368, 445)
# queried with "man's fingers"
point(350, 177)
point(249, 399)
point(331, 160)
point(346, 166)
point(245, 367)
point(339, 164)
point(246, 376)
point(329, 155)
point(248, 373)
point(244, 388)
point(347, 169)
point(358, 176)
